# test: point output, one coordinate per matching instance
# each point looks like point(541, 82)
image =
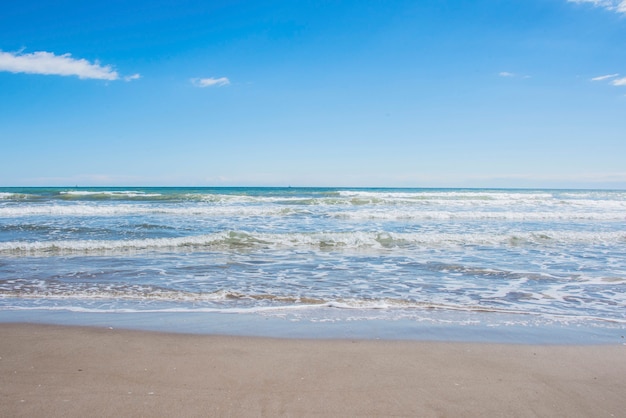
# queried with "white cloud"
point(616, 82)
point(210, 82)
point(604, 77)
point(48, 63)
point(619, 82)
point(618, 6)
point(132, 77)
point(508, 74)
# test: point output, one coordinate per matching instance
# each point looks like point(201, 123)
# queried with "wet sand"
point(54, 371)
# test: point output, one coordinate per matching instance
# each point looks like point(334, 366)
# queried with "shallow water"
point(513, 258)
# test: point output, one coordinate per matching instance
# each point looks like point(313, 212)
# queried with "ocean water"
point(300, 256)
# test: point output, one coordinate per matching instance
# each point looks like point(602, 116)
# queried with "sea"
point(545, 266)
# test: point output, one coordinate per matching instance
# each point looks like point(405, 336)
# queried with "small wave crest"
point(146, 300)
point(15, 196)
point(324, 241)
point(108, 210)
point(105, 194)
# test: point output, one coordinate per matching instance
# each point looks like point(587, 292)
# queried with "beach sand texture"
point(55, 371)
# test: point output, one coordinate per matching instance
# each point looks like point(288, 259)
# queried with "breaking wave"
point(330, 240)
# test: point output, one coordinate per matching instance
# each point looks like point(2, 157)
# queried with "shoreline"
point(439, 326)
point(53, 370)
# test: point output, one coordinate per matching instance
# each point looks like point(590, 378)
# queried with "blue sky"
point(519, 93)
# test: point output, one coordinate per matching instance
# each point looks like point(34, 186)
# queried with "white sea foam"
point(450, 195)
point(327, 313)
point(112, 193)
point(136, 209)
point(362, 213)
point(415, 215)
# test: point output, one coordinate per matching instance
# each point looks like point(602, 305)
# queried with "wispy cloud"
point(618, 6)
point(509, 74)
point(47, 63)
point(132, 77)
point(614, 81)
point(210, 82)
point(619, 82)
point(604, 77)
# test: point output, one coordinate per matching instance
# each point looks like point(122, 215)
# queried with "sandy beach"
point(76, 371)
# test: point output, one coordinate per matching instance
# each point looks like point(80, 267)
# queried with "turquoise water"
point(439, 257)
